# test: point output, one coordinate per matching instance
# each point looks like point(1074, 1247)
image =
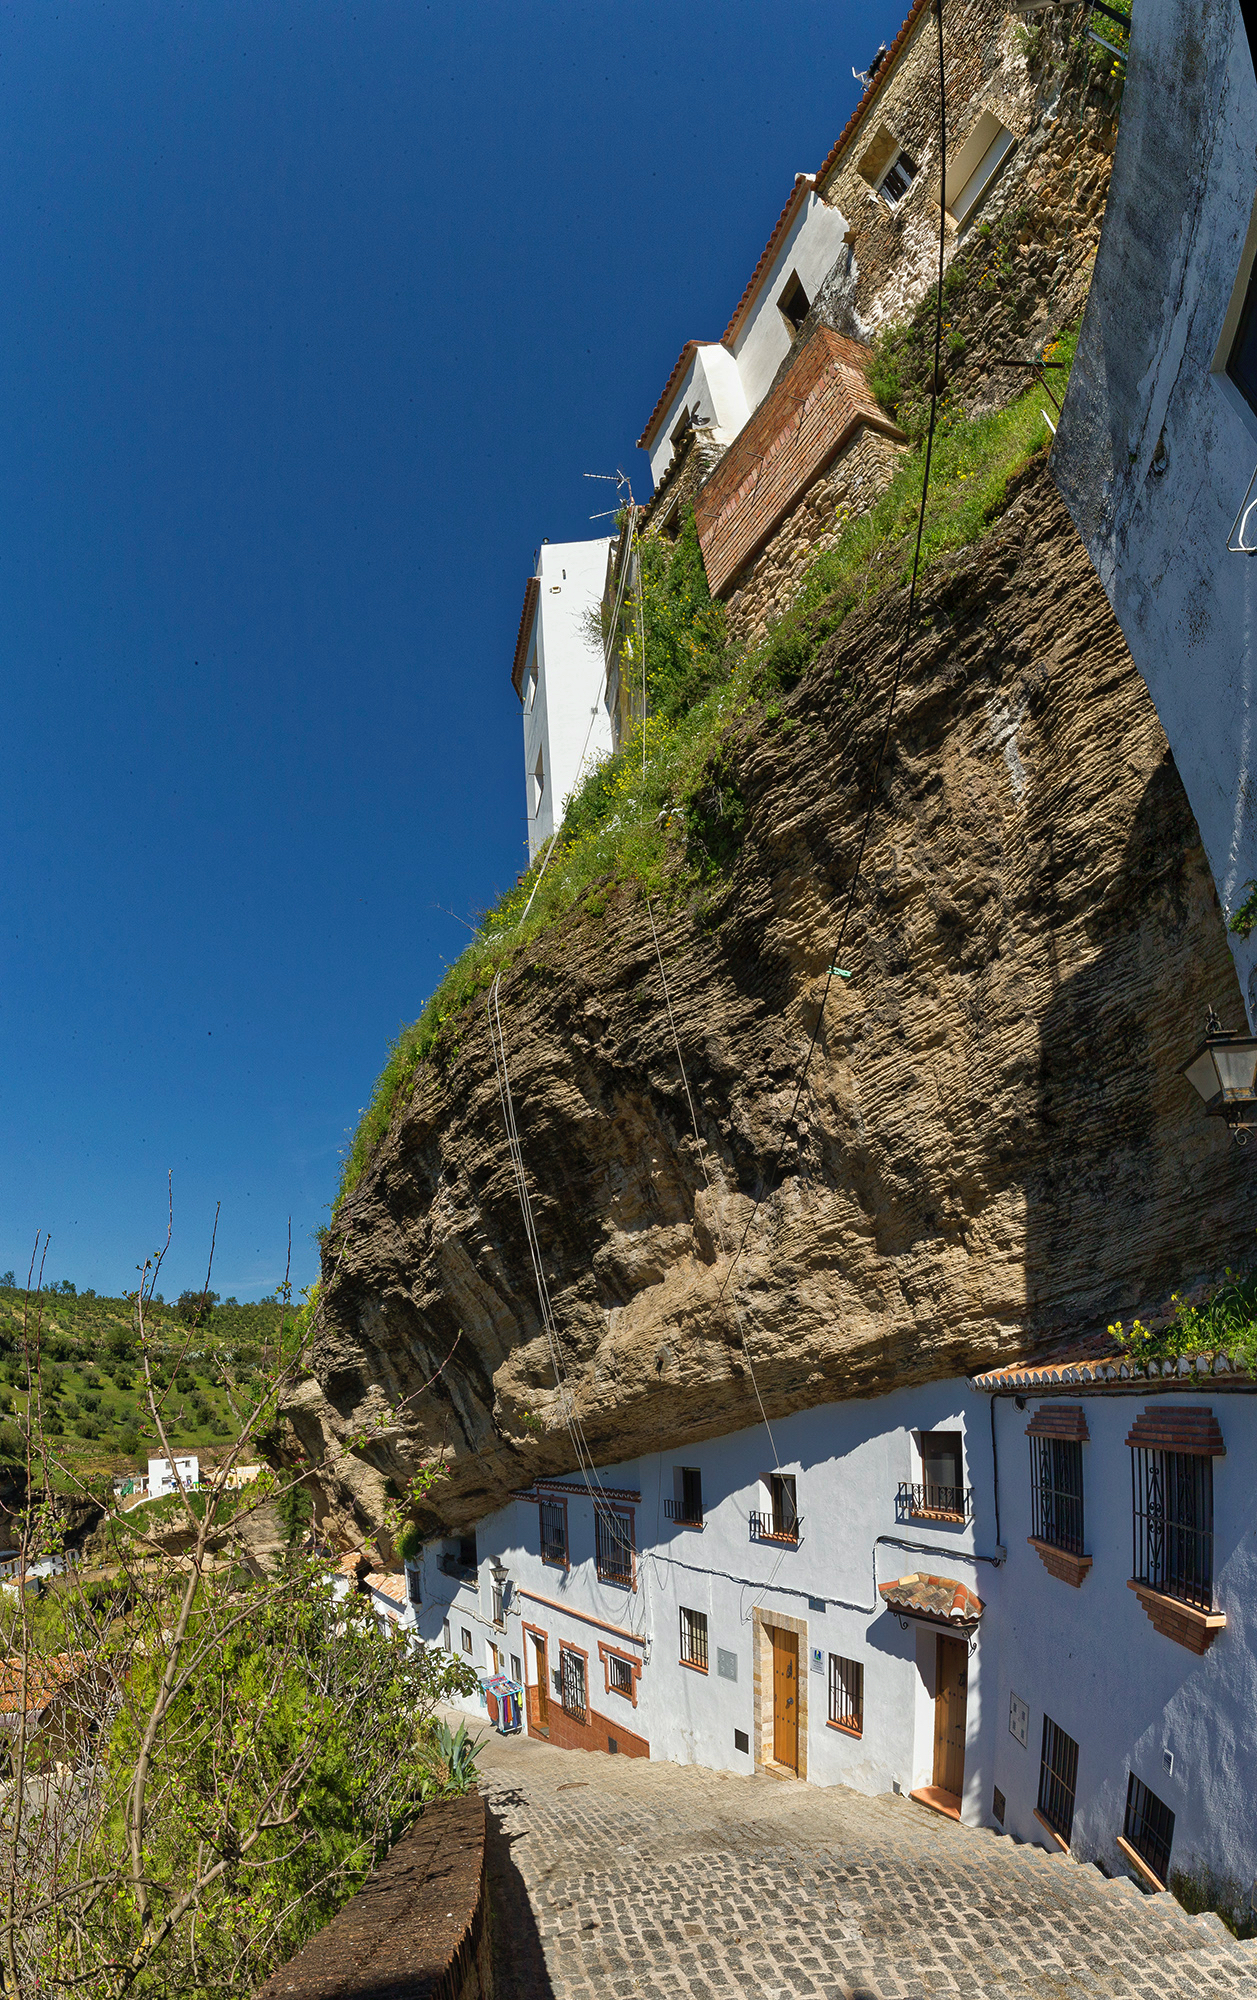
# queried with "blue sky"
point(313, 317)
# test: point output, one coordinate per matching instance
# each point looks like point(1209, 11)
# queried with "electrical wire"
point(770, 1179)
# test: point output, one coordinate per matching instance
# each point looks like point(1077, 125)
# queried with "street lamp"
point(1224, 1072)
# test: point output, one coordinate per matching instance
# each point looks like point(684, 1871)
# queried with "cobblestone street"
point(613, 1876)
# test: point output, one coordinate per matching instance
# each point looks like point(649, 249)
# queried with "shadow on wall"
point(1136, 1192)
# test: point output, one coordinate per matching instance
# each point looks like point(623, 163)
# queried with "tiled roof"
point(871, 94)
point(43, 1678)
point(679, 367)
point(386, 1583)
point(532, 590)
point(1101, 1362)
point(803, 185)
point(940, 1599)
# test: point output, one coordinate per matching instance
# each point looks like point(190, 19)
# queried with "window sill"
point(556, 1562)
point(937, 1514)
point(1140, 1866)
point(618, 1582)
point(844, 1729)
point(1048, 1827)
point(693, 1666)
point(1183, 1623)
point(1060, 1563)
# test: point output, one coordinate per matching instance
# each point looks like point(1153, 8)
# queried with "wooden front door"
point(786, 1699)
point(543, 1691)
point(951, 1678)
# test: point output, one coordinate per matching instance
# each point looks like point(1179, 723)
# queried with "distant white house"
point(162, 1480)
point(558, 675)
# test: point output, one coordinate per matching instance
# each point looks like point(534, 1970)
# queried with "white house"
point(558, 675)
point(716, 385)
point(932, 1592)
point(162, 1480)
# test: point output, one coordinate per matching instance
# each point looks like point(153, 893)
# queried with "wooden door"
point(951, 1677)
point(543, 1690)
point(786, 1699)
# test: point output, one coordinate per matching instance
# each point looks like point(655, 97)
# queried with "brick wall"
point(599, 1732)
point(793, 436)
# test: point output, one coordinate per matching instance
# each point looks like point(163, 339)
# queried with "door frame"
point(535, 1633)
point(961, 1645)
point(762, 1624)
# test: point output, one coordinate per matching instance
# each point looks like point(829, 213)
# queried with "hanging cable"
point(836, 950)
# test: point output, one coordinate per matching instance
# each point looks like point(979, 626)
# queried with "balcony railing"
point(935, 1503)
point(685, 1517)
point(461, 1572)
point(774, 1528)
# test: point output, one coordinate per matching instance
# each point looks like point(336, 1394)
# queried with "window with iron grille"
point(412, 1586)
point(1056, 1492)
point(619, 1674)
point(785, 1507)
point(554, 1532)
point(686, 1504)
point(846, 1693)
point(572, 1672)
point(1058, 1778)
point(499, 1605)
point(1149, 1827)
point(613, 1542)
point(1172, 1504)
point(694, 1638)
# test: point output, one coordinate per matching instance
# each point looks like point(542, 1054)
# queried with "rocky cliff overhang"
point(995, 1148)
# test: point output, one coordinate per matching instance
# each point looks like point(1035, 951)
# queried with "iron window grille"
point(499, 1605)
point(619, 1674)
point(686, 1508)
point(846, 1693)
point(554, 1532)
point(613, 1543)
point(1056, 1492)
point(412, 1586)
point(1058, 1778)
point(1172, 1507)
point(572, 1671)
point(928, 1502)
point(783, 1523)
point(1149, 1827)
point(694, 1638)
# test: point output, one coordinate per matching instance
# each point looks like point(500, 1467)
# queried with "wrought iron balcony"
point(934, 1503)
point(461, 1572)
point(684, 1516)
point(777, 1528)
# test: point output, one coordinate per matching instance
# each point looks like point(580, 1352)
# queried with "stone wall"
point(768, 586)
point(416, 1930)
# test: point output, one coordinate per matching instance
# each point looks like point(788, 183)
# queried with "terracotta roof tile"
point(387, 1584)
point(1101, 1362)
point(532, 590)
point(941, 1600)
point(43, 1679)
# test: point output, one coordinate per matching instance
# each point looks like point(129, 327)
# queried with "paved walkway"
point(613, 1876)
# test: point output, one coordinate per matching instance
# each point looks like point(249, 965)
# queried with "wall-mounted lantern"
point(1224, 1072)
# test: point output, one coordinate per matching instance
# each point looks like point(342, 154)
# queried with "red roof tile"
point(387, 1583)
point(1101, 1362)
point(532, 590)
point(940, 1600)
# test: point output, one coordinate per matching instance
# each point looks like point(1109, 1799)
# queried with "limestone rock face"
point(993, 1149)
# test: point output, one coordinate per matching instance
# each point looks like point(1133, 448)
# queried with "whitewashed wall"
point(1090, 1658)
point(812, 245)
point(565, 698)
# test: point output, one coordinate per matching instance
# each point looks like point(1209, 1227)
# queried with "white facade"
point(1088, 1657)
point(723, 382)
point(559, 676)
point(1156, 445)
point(162, 1480)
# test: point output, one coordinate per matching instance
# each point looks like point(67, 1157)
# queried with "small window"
point(554, 1532)
point(1173, 1524)
point(1149, 1827)
point(794, 304)
point(785, 1510)
point(846, 1694)
point(974, 166)
point(467, 1641)
point(686, 1504)
point(942, 1491)
point(538, 784)
point(1058, 1778)
point(613, 1542)
point(572, 1682)
point(694, 1638)
point(1056, 1492)
point(681, 430)
point(499, 1604)
point(619, 1675)
point(530, 686)
point(897, 179)
point(412, 1586)
point(998, 1806)
point(517, 1671)
point(741, 1741)
point(445, 1636)
point(467, 1552)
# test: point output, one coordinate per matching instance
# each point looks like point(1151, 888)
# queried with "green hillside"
point(95, 1409)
